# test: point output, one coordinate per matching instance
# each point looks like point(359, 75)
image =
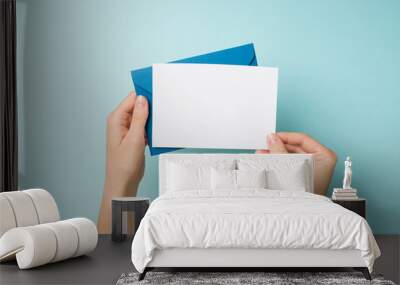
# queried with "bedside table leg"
point(116, 231)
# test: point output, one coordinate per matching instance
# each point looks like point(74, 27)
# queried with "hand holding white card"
point(213, 106)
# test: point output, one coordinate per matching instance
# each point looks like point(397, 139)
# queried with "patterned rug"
point(273, 278)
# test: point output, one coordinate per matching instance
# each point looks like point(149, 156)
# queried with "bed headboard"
point(165, 158)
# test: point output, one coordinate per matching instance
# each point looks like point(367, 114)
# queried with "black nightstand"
point(357, 206)
point(119, 205)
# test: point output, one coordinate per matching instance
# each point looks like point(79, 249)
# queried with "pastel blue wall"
point(339, 81)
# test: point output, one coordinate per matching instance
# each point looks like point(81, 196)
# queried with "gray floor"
point(110, 260)
point(389, 262)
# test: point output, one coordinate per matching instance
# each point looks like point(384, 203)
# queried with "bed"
point(247, 211)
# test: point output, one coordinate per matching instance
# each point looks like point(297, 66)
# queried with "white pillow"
point(281, 174)
point(223, 179)
point(251, 178)
point(237, 179)
point(288, 178)
point(184, 175)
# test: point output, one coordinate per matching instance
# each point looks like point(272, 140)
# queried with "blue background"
point(339, 81)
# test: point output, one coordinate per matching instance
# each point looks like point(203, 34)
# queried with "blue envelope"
point(142, 78)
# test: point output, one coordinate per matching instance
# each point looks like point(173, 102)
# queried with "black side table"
point(127, 204)
point(358, 206)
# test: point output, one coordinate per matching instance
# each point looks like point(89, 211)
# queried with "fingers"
point(119, 120)
point(305, 142)
point(262, 151)
point(126, 106)
point(294, 148)
point(275, 144)
point(139, 118)
point(302, 143)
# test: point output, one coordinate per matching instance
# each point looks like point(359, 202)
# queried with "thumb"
point(275, 144)
point(139, 118)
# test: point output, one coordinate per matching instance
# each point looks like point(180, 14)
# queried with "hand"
point(324, 158)
point(126, 143)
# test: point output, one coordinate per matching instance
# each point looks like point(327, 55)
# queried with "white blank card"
point(213, 106)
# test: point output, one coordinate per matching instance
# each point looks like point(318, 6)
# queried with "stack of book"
point(344, 194)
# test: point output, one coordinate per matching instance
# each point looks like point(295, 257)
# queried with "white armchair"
point(31, 230)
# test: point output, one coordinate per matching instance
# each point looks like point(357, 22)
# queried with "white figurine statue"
point(347, 173)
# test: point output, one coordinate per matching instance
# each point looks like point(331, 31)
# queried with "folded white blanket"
point(250, 219)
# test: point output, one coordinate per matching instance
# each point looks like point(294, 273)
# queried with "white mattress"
point(251, 219)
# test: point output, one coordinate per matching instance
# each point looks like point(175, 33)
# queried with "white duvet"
point(250, 219)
